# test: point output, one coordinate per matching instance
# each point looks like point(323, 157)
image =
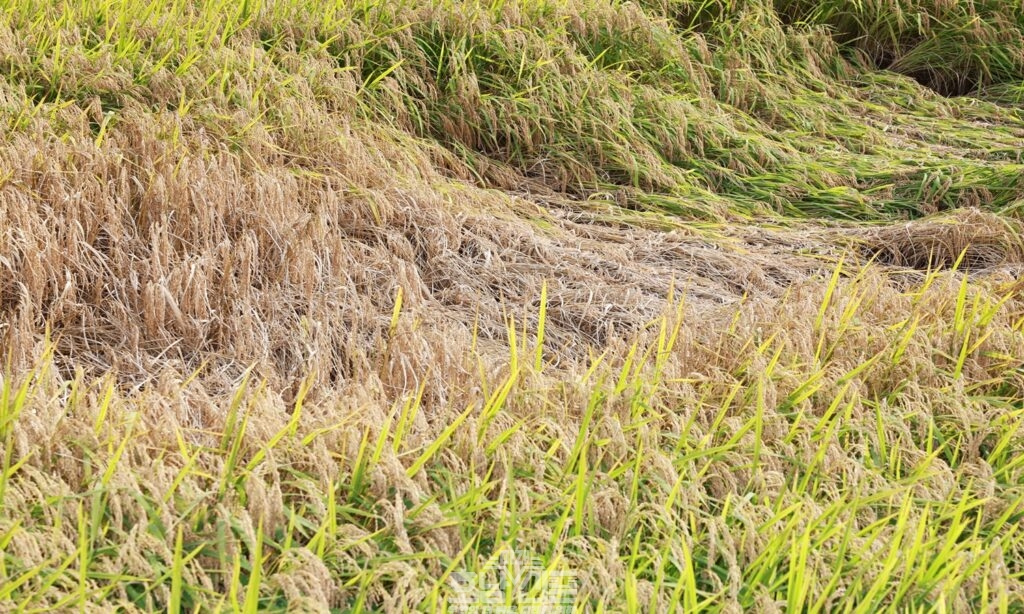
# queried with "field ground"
point(327, 306)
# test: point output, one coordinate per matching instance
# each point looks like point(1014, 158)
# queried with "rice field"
point(511, 306)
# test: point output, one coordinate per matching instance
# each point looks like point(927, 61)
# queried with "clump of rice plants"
point(593, 305)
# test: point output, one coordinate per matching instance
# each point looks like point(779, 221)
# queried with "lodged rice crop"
point(326, 306)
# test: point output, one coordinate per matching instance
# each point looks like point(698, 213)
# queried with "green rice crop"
point(317, 305)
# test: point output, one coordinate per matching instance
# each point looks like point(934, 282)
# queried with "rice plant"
point(446, 305)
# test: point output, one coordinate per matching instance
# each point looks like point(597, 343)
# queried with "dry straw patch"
point(972, 238)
